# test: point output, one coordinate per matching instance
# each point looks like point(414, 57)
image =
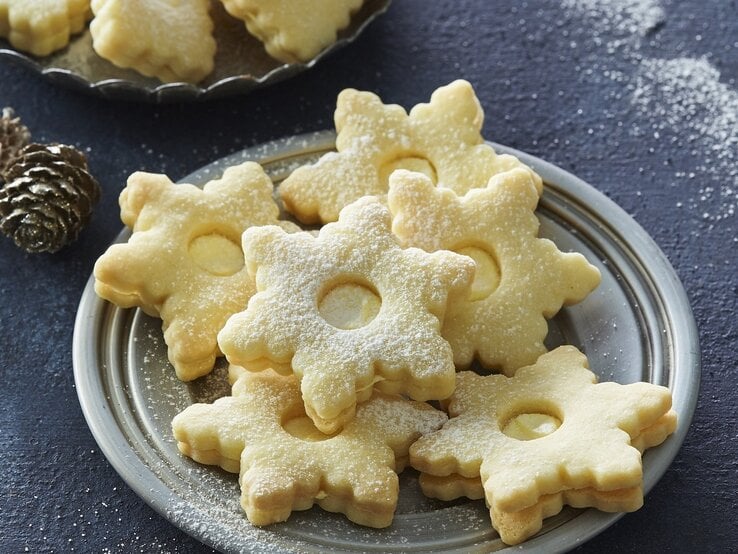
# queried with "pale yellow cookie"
point(42, 26)
point(294, 31)
point(345, 310)
point(516, 527)
point(441, 139)
point(184, 261)
point(286, 464)
point(590, 447)
point(168, 39)
point(453, 486)
point(520, 280)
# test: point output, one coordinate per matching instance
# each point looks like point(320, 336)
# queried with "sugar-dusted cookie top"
point(346, 309)
point(168, 39)
point(184, 261)
point(294, 31)
point(42, 26)
point(441, 138)
point(287, 464)
point(520, 280)
point(588, 446)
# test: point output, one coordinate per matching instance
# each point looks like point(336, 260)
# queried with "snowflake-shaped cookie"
point(521, 279)
point(441, 139)
point(42, 26)
point(168, 39)
point(286, 464)
point(346, 309)
point(515, 527)
point(453, 486)
point(588, 444)
point(294, 31)
point(184, 261)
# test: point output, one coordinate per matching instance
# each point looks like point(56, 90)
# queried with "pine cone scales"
point(48, 197)
point(13, 137)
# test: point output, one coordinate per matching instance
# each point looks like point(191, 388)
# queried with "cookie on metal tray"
point(294, 31)
point(286, 464)
point(520, 280)
point(42, 26)
point(582, 441)
point(184, 261)
point(515, 527)
point(345, 310)
point(530, 427)
point(441, 139)
point(168, 39)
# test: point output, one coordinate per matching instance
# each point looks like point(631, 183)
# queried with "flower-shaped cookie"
point(521, 279)
point(184, 261)
point(42, 26)
point(587, 443)
point(294, 31)
point(168, 39)
point(441, 139)
point(286, 464)
point(347, 309)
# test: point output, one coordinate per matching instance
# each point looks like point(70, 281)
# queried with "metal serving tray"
point(241, 63)
point(636, 326)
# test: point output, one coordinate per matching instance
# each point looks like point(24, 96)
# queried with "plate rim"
point(685, 387)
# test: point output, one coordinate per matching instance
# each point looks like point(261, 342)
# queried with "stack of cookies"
point(172, 40)
point(427, 266)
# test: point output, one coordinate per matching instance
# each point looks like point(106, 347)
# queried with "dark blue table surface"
point(641, 101)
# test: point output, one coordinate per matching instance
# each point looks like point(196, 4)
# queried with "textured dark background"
point(641, 104)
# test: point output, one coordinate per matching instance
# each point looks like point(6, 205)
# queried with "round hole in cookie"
point(411, 162)
point(531, 424)
point(349, 303)
point(303, 428)
point(487, 274)
point(217, 254)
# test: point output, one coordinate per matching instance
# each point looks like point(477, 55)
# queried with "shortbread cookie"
point(516, 527)
point(441, 139)
point(286, 464)
point(590, 447)
point(294, 31)
point(42, 26)
point(520, 280)
point(453, 486)
point(184, 261)
point(168, 39)
point(345, 310)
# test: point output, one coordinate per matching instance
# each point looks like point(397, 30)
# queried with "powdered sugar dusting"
point(682, 99)
point(686, 95)
point(621, 16)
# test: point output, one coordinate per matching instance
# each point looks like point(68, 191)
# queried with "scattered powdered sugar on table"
point(686, 95)
point(621, 16)
point(682, 97)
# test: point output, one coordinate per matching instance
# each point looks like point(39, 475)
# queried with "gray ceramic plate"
point(241, 63)
point(637, 326)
